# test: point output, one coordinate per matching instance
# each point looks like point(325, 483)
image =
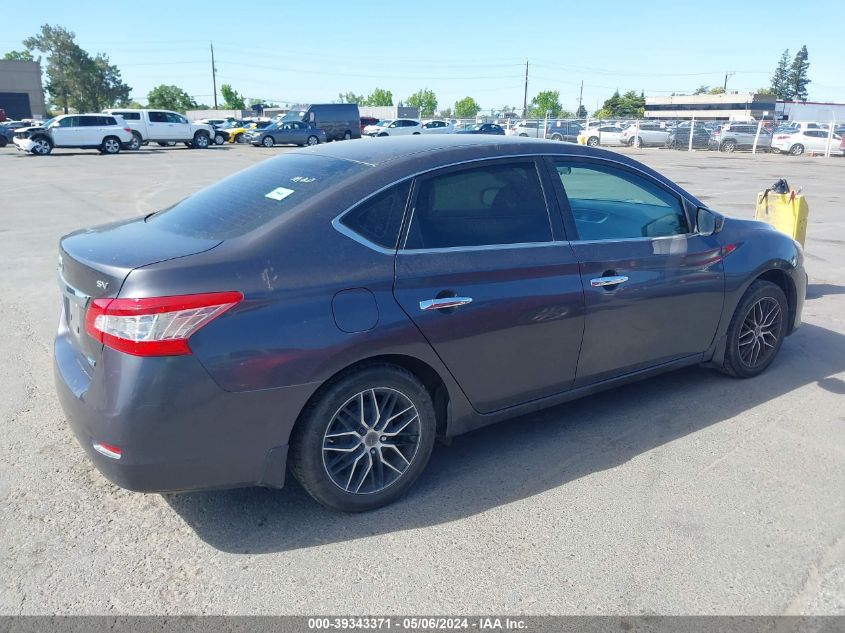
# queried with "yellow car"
point(236, 131)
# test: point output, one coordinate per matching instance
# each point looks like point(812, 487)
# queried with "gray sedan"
point(287, 133)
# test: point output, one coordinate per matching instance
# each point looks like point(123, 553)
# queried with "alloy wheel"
point(371, 440)
point(313, 140)
point(42, 146)
point(111, 146)
point(758, 336)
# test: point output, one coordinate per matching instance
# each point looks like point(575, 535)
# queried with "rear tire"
point(593, 141)
point(135, 143)
point(380, 452)
point(111, 145)
point(728, 146)
point(239, 138)
point(347, 135)
point(219, 139)
point(797, 149)
point(756, 331)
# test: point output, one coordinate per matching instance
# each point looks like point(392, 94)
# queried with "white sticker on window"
point(279, 193)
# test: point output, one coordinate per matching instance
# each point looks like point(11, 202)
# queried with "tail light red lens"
point(127, 129)
point(155, 326)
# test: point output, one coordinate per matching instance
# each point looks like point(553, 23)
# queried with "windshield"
point(385, 123)
point(250, 199)
point(47, 122)
point(295, 115)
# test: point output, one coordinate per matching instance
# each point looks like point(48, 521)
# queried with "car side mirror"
point(708, 222)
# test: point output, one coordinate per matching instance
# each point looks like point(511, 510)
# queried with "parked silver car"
point(733, 136)
point(286, 133)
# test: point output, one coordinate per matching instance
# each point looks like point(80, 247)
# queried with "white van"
point(163, 127)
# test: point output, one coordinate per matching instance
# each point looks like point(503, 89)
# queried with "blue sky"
point(286, 52)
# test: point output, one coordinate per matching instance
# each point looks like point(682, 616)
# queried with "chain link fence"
point(811, 138)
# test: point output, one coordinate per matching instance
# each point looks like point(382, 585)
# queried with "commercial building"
point(810, 111)
point(732, 106)
point(21, 93)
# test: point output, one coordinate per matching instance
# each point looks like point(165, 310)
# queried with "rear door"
point(653, 288)
point(160, 129)
point(485, 274)
point(92, 130)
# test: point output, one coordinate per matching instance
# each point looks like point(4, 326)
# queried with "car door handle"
point(615, 280)
point(444, 302)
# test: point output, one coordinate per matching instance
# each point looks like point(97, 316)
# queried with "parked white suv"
point(399, 127)
point(163, 127)
point(109, 134)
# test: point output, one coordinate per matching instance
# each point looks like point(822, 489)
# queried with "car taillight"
point(155, 326)
point(782, 136)
point(127, 129)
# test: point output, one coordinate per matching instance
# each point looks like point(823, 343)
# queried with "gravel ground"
point(690, 493)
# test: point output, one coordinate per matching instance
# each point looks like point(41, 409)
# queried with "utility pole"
point(725, 87)
point(525, 95)
point(214, 75)
point(580, 96)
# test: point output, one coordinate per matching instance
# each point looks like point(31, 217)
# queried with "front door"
point(66, 132)
point(653, 289)
point(178, 127)
point(486, 276)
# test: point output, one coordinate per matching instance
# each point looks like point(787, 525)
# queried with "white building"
point(731, 106)
point(810, 111)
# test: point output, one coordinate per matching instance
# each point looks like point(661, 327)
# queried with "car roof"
point(424, 152)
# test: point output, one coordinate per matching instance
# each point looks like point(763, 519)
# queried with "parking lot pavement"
point(686, 493)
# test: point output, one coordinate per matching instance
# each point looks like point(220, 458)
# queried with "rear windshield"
point(250, 199)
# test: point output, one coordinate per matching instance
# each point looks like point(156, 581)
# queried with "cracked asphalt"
point(689, 493)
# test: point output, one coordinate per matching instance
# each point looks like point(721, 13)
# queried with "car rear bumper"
point(176, 429)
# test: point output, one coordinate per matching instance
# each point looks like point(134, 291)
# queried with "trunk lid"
point(93, 264)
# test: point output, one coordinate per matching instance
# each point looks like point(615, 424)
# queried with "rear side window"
point(256, 196)
point(379, 219)
point(130, 116)
point(492, 204)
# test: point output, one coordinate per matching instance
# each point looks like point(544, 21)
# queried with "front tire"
point(239, 138)
point(268, 141)
point(756, 331)
point(797, 149)
point(365, 439)
point(593, 141)
point(43, 146)
point(313, 140)
point(219, 139)
point(728, 146)
point(201, 141)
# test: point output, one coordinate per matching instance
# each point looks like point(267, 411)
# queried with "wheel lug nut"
point(383, 439)
point(373, 451)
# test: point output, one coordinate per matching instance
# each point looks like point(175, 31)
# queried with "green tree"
point(628, 106)
point(18, 56)
point(98, 86)
point(425, 100)
point(780, 78)
point(446, 113)
point(716, 90)
point(231, 99)
point(766, 91)
point(581, 112)
point(546, 101)
point(74, 78)
point(798, 79)
point(350, 97)
point(169, 97)
point(466, 108)
point(379, 97)
point(701, 90)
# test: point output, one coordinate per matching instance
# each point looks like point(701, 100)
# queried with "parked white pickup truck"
point(163, 127)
